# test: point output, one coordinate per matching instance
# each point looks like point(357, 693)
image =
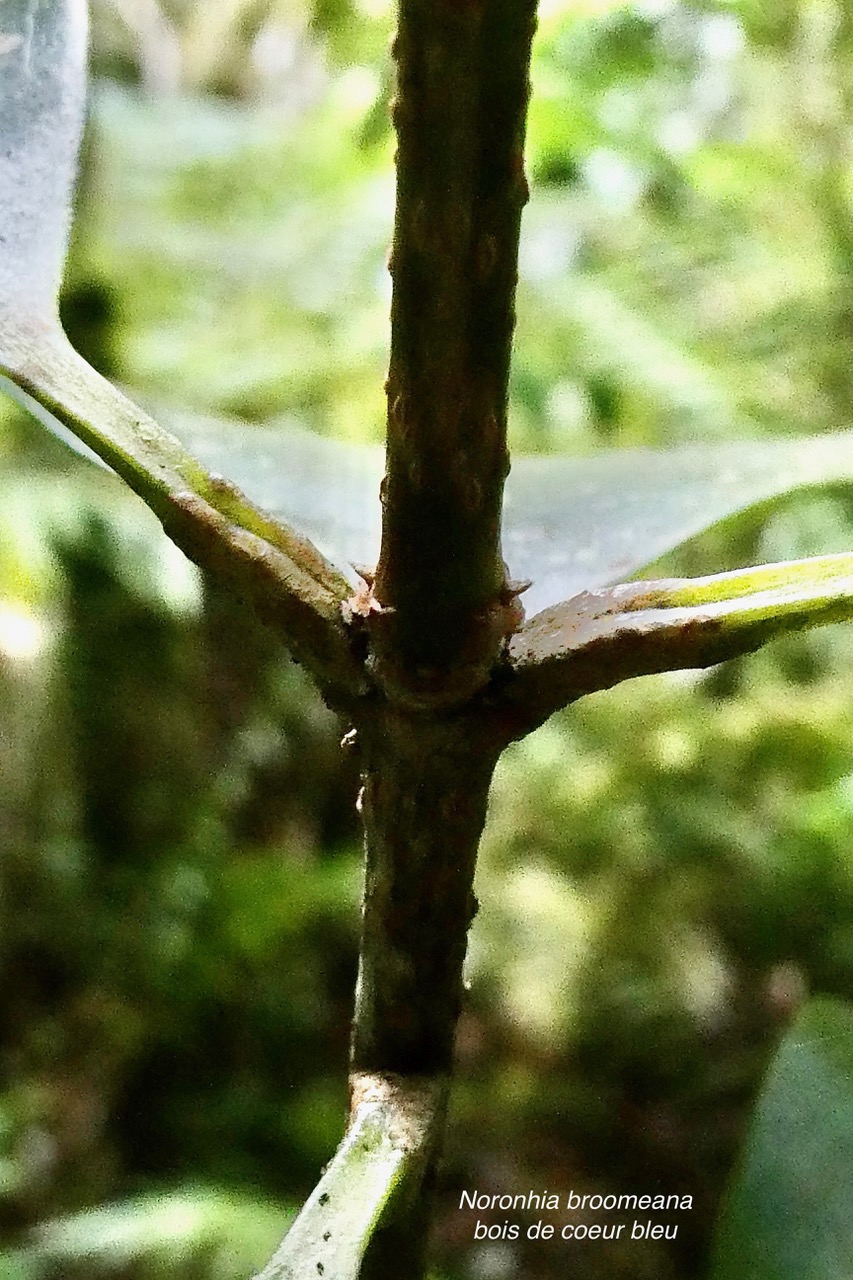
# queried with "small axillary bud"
point(362, 603)
point(510, 612)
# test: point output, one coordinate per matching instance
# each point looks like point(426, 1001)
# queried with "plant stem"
point(426, 782)
point(441, 607)
point(460, 110)
point(424, 806)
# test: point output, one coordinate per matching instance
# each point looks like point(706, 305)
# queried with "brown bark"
point(460, 111)
point(441, 608)
point(426, 783)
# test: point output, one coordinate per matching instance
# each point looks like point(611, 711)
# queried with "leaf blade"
point(42, 99)
point(574, 525)
point(327, 488)
point(211, 521)
point(570, 524)
point(787, 1213)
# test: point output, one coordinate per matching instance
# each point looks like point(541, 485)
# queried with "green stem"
point(281, 573)
point(426, 782)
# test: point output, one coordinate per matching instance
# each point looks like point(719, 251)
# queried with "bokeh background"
point(667, 869)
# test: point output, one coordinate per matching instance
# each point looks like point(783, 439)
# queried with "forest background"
point(667, 868)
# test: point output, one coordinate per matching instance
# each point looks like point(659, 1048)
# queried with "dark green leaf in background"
point(788, 1214)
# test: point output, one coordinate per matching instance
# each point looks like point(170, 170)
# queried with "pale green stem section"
point(379, 1164)
point(283, 574)
point(783, 586)
point(600, 638)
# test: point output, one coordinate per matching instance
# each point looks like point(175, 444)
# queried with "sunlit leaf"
point(787, 1215)
point(599, 638)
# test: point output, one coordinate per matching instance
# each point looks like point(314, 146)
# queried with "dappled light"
point(666, 870)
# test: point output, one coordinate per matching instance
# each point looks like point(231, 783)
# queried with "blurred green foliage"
point(666, 871)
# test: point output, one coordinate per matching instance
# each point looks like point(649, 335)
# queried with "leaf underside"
point(570, 524)
point(42, 93)
point(42, 99)
point(787, 1215)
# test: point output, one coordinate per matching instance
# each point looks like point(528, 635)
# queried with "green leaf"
point(229, 1231)
point(570, 524)
point(787, 1215)
point(599, 638)
point(574, 525)
point(326, 488)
